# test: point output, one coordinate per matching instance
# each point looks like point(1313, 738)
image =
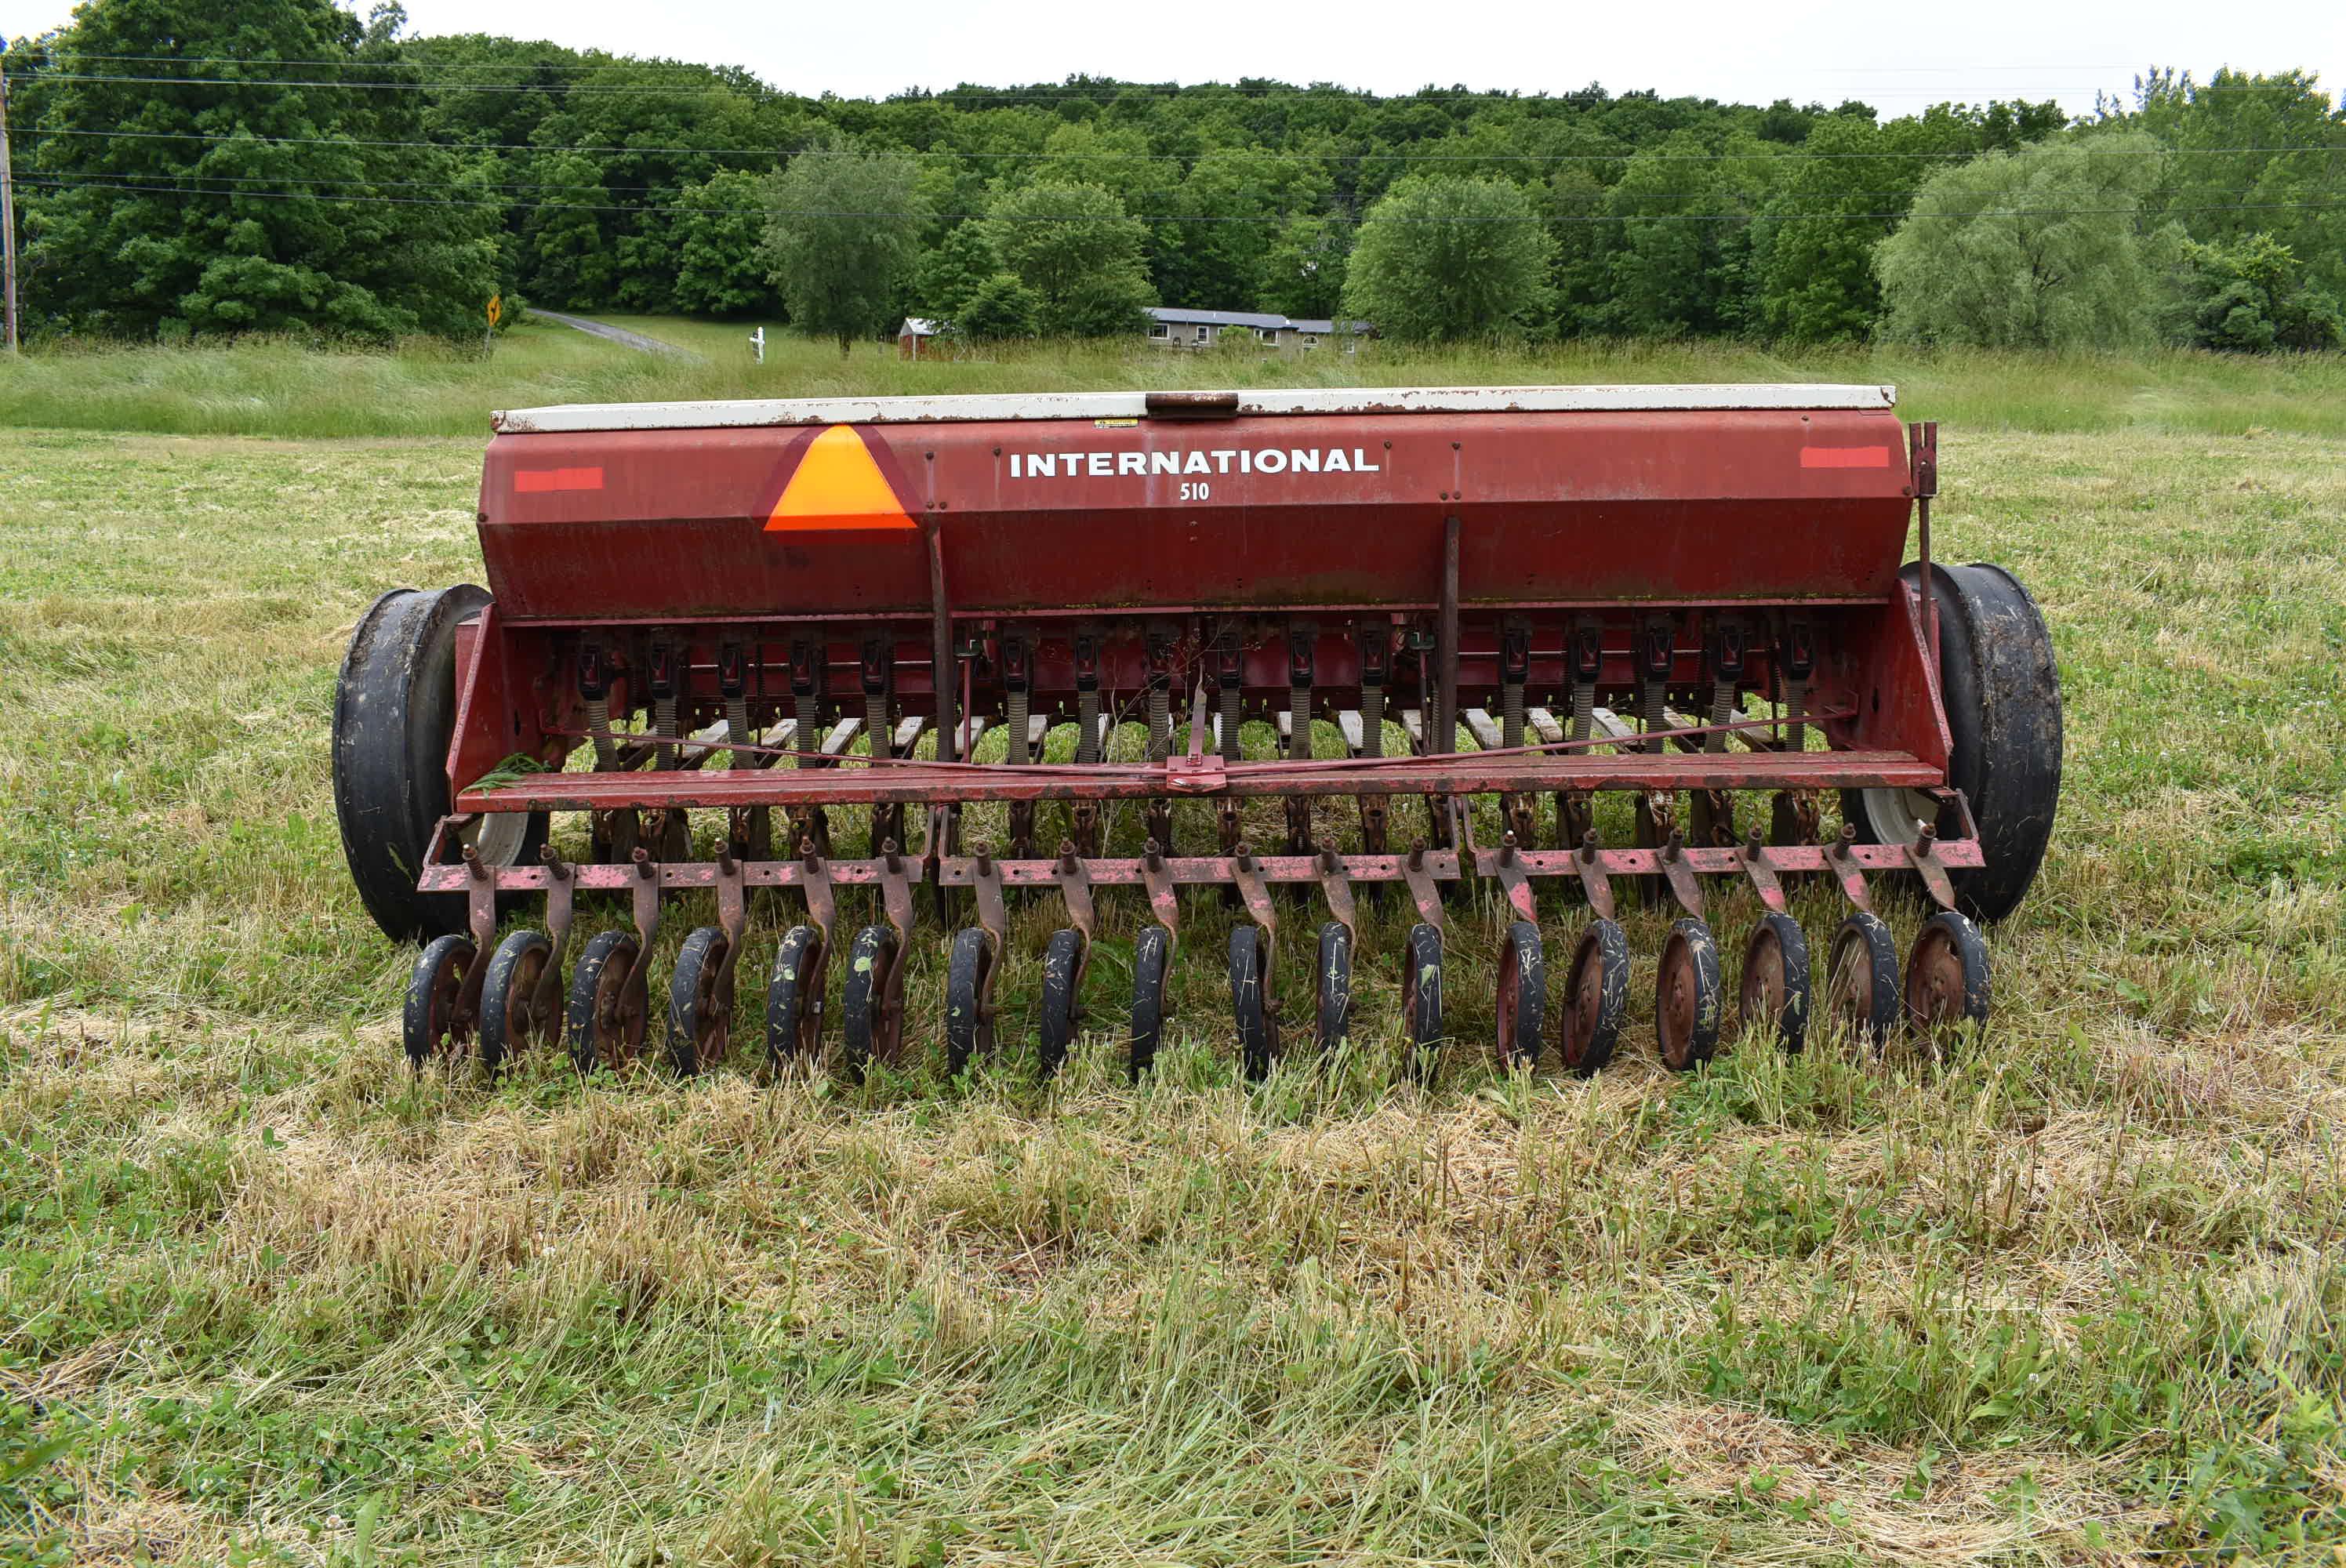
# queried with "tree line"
point(283, 166)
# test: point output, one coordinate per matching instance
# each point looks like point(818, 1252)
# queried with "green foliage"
point(202, 224)
point(584, 184)
point(1818, 284)
point(2290, 185)
point(1083, 259)
point(2037, 248)
point(1450, 259)
point(1685, 259)
point(842, 237)
point(1000, 306)
point(718, 269)
point(2250, 295)
point(568, 262)
point(954, 269)
point(1303, 271)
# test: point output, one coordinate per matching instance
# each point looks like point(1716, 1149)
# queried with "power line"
point(56, 182)
point(949, 96)
point(1233, 154)
point(635, 62)
point(1612, 192)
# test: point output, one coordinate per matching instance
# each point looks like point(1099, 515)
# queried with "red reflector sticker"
point(528, 481)
point(1844, 457)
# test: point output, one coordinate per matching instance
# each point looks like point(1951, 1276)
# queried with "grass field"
point(2070, 1296)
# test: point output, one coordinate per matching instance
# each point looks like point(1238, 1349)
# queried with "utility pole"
point(7, 219)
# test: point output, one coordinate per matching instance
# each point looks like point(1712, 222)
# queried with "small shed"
point(910, 336)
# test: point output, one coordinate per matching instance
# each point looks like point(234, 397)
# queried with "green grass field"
point(2069, 1296)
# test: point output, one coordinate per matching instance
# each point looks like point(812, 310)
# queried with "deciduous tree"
point(1450, 260)
point(842, 236)
point(1083, 258)
point(2034, 248)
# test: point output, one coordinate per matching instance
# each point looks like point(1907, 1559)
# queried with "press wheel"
point(1596, 997)
point(1258, 1031)
point(1687, 996)
point(1946, 976)
point(1150, 956)
point(1773, 993)
point(1862, 987)
point(511, 1019)
point(435, 1022)
point(1523, 995)
point(606, 1026)
point(699, 1004)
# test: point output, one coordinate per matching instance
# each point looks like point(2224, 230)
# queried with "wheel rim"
point(525, 1025)
point(1585, 998)
point(1898, 816)
point(887, 1015)
point(711, 1019)
point(1764, 987)
point(498, 838)
point(1935, 980)
point(450, 1031)
point(1676, 1001)
point(1852, 982)
point(618, 1028)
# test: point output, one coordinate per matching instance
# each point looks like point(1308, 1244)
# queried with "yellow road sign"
point(497, 308)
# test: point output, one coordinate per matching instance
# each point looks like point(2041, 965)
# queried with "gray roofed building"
point(1171, 326)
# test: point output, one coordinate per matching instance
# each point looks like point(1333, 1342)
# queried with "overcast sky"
point(1897, 55)
point(1894, 54)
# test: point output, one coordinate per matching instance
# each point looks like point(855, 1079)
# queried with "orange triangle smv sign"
point(837, 486)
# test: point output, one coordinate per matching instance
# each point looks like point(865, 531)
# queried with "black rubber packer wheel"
point(2003, 694)
point(1523, 995)
point(1687, 996)
point(431, 1024)
point(1150, 955)
point(1421, 996)
point(1774, 990)
point(1596, 997)
point(1258, 1034)
point(394, 714)
point(967, 1031)
point(1862, 978)
point(1335, 977)
point(700, 1016)
point(1946, 976)
point(794, 999)
point(606, 1029)
point(1063, 957)
point(510, 1019)
point(870, 1026)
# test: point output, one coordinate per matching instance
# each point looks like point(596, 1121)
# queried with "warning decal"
point(838, 487)
point(1844, 457)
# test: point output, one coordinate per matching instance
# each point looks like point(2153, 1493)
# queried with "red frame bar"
point(1213, 871)
point(932, 784)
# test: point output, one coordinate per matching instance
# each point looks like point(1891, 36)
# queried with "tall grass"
point(284, 389)
point(2066, 1295)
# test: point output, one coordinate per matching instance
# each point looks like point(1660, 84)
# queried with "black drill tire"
point(2003, 697)
point(394, 714)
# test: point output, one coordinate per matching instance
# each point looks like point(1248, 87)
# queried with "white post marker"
point(757, 344)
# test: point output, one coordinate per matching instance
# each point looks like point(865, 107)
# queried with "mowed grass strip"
point(277, 388)
point(2069, 1293)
